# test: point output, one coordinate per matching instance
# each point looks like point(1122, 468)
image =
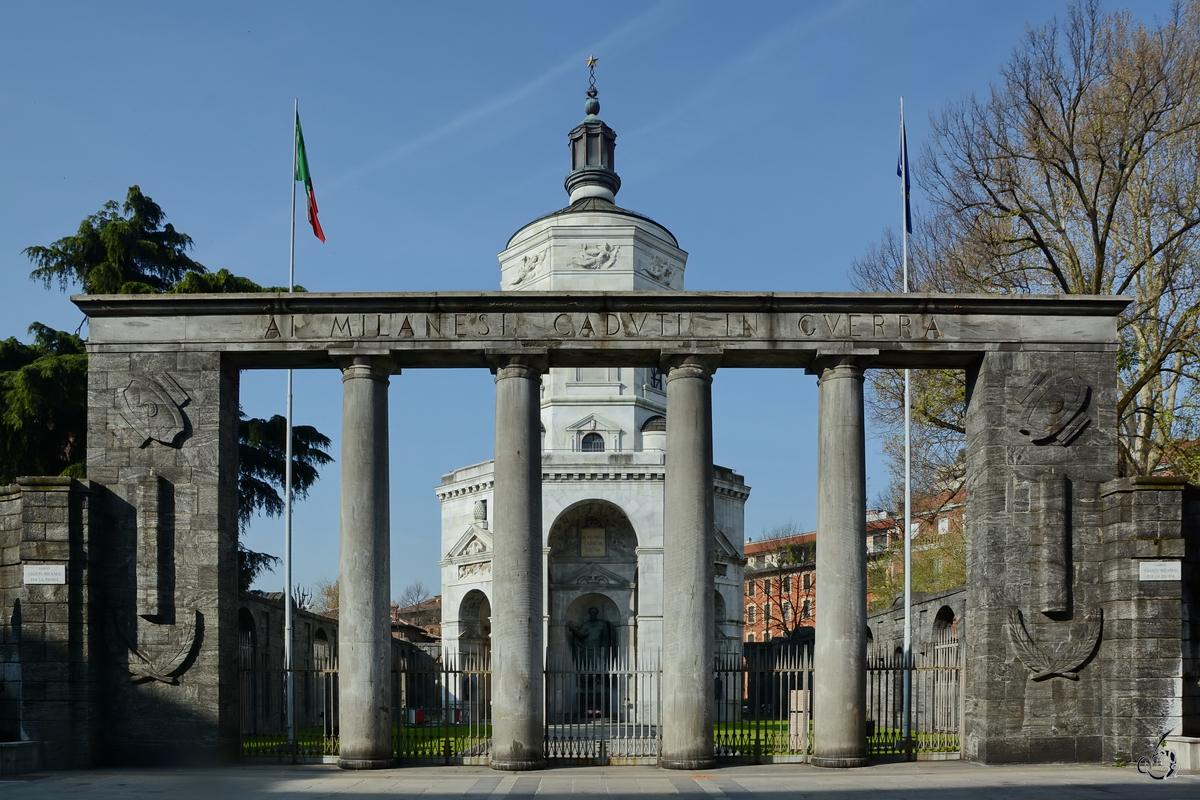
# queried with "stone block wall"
point(1149, 658)
point(1041, 439)
point(49, 647)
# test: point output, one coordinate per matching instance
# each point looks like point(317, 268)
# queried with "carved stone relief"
point(1054, 408)
point(161, 652)
point(657, 267)
point(152, 410)
point(530, 265)
point(1064, 657)
point(478, 569)
point(596, 256)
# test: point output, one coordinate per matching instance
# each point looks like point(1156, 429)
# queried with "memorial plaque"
point(45, 574)
point(592, 543)
point(1160, 571)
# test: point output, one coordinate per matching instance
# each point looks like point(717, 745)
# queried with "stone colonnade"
point(687, 701)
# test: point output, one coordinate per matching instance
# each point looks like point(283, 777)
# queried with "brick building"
point(780, 584)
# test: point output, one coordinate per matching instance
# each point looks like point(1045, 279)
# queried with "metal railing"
point(764, 704)
point(936, 702)
point(610, 713)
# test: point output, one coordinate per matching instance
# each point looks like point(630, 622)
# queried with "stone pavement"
point(924, 780)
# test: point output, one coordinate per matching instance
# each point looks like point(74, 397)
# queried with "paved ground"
point(927, 781)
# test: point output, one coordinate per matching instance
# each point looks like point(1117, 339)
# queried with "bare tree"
point(1079, 173)
point(413, 605)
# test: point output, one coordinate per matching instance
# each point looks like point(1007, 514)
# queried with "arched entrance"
point(592, 642)
point(475, 624)
point(592, 564)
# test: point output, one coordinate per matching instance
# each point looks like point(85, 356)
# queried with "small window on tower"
point(592, 443)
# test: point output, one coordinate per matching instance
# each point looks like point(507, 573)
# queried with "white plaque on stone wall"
point(45, 574)
point(1160, 571)
point(592, 543)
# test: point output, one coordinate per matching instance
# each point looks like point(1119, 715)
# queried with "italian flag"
point(302, 175)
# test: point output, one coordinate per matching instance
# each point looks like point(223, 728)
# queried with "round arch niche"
point(475, 624)
point(592, 563)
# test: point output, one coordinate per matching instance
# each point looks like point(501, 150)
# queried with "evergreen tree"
point(43, 386)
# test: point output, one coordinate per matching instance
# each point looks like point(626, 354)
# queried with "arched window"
point(592, 443)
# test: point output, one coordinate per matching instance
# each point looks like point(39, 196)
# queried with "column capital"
point(688, 364)
point(377, 366)
point(857, 359)
point(524, 364)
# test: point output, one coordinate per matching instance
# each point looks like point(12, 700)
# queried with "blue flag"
point(902, 172)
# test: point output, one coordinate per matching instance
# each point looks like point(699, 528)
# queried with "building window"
point(806, 581)
point(914, 530)
point(767, 587)
point(656, 382)
point(751, 614)
point(751, 589)
point(593, 443)
point(787, 585)
point(806, 609)
point(787, 611)
point(767, 612)
point(750, 636)
point(944, 525)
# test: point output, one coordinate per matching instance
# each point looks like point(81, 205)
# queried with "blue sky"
point(763, 135)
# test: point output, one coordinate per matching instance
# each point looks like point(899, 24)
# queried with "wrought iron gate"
point(603, 713)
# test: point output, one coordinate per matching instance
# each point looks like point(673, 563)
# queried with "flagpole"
point(289, 654)
point(904, 189)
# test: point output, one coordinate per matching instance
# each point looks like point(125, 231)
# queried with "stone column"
point(687, 677)
point(518, 697)
point(364, 615)
point(840, 678)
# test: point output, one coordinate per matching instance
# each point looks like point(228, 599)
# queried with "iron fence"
point(610, 713)
point(763, 705)
point(936, 689)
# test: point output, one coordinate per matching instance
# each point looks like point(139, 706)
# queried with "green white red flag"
point(302, 174)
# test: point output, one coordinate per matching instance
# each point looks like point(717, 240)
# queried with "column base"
point(688, 763)
point(840, 763)
point(517, 764)
point(366, 763)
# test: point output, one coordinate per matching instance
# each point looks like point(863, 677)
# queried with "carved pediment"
point(595, 575)
point(475, 541)
point(724, 547)
point(593, 422)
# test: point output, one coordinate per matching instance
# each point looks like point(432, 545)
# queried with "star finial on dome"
point(592, 106)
